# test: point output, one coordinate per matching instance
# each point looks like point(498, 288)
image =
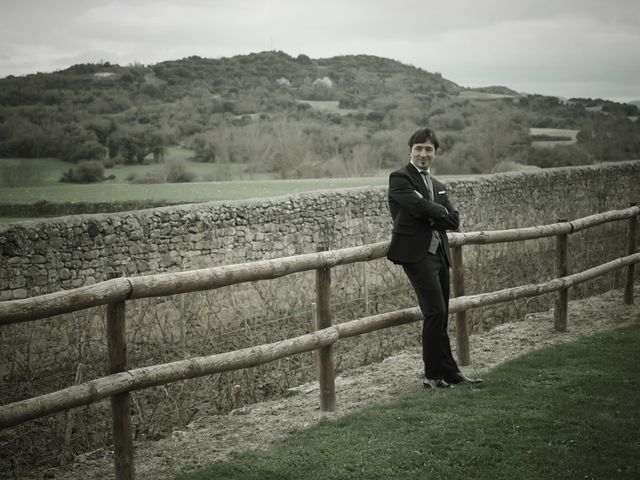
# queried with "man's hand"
point(450, 222)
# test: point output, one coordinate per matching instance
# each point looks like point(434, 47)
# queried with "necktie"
point(427, 181)
point(435, 238)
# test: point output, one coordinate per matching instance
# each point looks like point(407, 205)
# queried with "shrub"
point(176, 172)
point(110, 162)
point(88, 171)
point(375, 116)
point(173, 171)
point(559, 156)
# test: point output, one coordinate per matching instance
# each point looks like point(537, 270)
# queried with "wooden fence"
point(115, 292)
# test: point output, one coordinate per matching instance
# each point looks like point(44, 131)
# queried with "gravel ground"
point(211, 439)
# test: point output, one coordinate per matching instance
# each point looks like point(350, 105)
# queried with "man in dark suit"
point(421, 213)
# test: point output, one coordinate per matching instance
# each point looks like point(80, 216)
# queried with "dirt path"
point(213, 439)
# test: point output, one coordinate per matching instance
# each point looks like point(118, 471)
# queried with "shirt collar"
point(428, 172)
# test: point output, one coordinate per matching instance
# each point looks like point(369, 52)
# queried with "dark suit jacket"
point(415, 217)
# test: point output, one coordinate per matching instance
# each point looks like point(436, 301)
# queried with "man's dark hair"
point(424, 135)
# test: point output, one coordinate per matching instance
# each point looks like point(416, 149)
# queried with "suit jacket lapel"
point(417, 180)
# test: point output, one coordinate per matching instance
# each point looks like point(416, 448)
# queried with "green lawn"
point(569, 137)
point(53, 168)
point(331, 106)
point(204, 190)
point(476, 95)
point(179, 192)
point(50, 169)
point(568, 411)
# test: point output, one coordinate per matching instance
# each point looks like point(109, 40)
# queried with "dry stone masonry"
point(39, 257)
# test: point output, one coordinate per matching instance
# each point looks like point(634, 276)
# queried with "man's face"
point(422, 155)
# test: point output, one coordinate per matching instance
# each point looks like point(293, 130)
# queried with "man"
point(421, 213)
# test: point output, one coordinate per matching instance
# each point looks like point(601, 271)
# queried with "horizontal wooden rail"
point(211, 278)
point(600, 218)
point(65, 301)
point(164, 284)
point(512, 235)
point(139, 378)
point(460, 304)
point(528, 233)
point(533, 290)
point(145, 377)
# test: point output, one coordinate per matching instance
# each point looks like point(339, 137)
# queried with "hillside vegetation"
point(276, 116)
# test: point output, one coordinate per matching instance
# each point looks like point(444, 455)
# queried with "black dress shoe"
point(435, 383)
point(460, 377)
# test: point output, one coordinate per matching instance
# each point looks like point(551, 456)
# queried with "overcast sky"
point(585, 48)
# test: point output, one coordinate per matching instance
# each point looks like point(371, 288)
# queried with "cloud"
point(518, 44)
point(571, 50)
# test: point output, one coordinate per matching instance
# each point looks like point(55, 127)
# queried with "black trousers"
point(430, 280)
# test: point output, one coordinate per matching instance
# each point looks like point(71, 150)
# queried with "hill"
point(295, 117)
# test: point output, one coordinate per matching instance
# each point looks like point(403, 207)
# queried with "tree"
point(76, 143)
point(157, 141)
point(102, 128)
point(289, 151)
point(214, 146)
point(129, 144)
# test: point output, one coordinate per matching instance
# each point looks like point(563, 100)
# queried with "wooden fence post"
point(121, 403)
point(326, 371)
point(365, 288)
point(632, 228)
point(562, 270)
point(462, 327)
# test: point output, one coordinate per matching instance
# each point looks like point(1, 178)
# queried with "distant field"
point(53, 191)
point(327, 106)
point(178, 153)
point(53, 168)
point(475, 95)
point(568, 137)
point(179, 192)
point(50, 169)
point(252, 116)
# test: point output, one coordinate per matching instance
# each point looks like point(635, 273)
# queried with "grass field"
point(52, 168)
point(330, 106)
point(567, 411)
point(52, 190)
point(570, 135)
point(476, 95)
point(179, 192)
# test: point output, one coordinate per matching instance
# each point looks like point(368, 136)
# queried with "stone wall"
point(39, 257)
